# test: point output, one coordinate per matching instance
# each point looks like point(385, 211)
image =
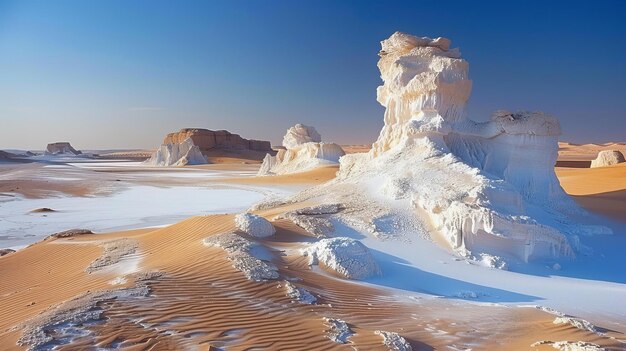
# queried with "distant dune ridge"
point(192, 146)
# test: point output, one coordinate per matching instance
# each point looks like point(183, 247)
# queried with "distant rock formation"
point(300, 134)
point(6, 156)
point(178, 154)
point(61, 148)
point(4, 252)
point(192, 146)
point(608, 158)
point(303, 151)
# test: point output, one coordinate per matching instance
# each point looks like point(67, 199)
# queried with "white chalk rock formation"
point(254, 225)
point(304, 151)
point(177, 154)
point(61, 148)
point(300, 134)
point(347, 257)
point(608, 158)
point(487, 187)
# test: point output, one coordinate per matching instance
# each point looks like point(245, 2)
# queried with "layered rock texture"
point(608, 158)
point(304, 151)
point(61, 148)
point(192, 146)
point(486, 187)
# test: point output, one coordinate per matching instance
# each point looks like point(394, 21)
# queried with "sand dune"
point(199, 300)
point(600, 190)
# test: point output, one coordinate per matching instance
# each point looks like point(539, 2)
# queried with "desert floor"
point(145, 281)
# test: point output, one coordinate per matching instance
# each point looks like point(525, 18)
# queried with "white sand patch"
point(117, 256)
point(136, 207)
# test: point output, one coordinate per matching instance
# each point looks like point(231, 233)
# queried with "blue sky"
point(121, 74)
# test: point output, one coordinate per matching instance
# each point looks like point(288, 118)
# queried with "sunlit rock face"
point(177, 154)
point(486, 187)
point(61, 148)
point(191, 145)
point(303, 151)
point(300, 134)
point(608, 158)
point(207, 139)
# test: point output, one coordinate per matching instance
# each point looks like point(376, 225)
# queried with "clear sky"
point(122, 74)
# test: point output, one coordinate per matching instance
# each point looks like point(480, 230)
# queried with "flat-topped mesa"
point(487, 187)
point(61, 148)
point(304, 151)
point(191, 146)
point(207, 140)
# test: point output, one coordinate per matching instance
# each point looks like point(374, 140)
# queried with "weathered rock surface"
point(174, 154)
point(192, 146)
point(303, 151)
point(488, 187)
point(207, 139)
point(61, 148)
point(608, 158)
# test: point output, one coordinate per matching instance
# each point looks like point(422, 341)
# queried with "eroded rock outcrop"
point(304, 151)
point(608, 158)
point(487, 187)
point(192, 146)
point(61, 148)
point(178, 154)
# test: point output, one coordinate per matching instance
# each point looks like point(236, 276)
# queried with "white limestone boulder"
point(254, 225)
point(608, 158)
point(303, 151)
point(347, 257)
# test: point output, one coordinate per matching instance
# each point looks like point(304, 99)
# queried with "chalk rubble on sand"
point(303, 151)
point(608, 158)
point(299, 294)
point(339, 331)
point(570, 345)
point(487, 187)
point(394, 341)
point(345, 256)
point(247, 256)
